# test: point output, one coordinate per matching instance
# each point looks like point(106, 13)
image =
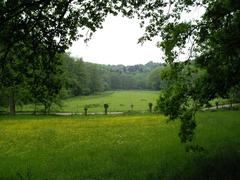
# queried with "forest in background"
point(83, 78)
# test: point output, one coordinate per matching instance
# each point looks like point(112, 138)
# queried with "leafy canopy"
point(212, 41)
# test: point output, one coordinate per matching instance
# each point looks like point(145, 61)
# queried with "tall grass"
point(117, 147)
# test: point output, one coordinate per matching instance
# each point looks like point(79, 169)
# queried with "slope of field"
point(117, 147)
point(119, 101)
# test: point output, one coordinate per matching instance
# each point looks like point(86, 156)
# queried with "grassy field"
point(117, 100)
point(117, 147)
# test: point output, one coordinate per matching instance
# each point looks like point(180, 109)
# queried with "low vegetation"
point(117, 147)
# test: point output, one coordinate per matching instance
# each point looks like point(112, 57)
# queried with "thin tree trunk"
point(35, 108)
point(12, 106)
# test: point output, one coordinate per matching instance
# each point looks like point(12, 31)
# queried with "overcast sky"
point(116, 43)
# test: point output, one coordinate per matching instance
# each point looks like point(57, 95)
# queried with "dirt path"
point(109, 113)
point(221, 107)
point(67, 113)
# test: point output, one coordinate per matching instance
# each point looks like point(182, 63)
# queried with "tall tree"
point(46, 28)
point(211, 40)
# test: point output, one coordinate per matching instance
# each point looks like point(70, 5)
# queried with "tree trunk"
point(12, 106)
point(150, 109)
point(85, 112)
point(35, 108)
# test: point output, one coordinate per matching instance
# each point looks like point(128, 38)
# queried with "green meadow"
point(117, 147)
point(117, 100)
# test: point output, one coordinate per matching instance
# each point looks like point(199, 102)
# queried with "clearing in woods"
point(119, 101)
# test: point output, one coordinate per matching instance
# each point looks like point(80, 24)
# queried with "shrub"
point(106, 108)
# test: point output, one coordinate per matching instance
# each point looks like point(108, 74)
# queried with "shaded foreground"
point(117, 147)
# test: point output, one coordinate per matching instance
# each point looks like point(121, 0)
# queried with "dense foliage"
point(33, 33)
point(211, 40)
point(83, 78)
point(77, 78)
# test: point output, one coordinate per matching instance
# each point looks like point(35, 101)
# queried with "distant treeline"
point(83, 78)
point(71, 77)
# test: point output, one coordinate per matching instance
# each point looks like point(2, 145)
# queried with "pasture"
point(117, 147)
point(119, 101)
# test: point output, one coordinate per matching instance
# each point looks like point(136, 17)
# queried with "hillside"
point(84, 78)
point(118, 101)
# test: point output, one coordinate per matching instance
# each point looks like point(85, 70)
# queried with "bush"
point(105, 108)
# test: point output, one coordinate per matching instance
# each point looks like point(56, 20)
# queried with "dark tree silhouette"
point(106, 106)
point(150, 107)
point(85, 110)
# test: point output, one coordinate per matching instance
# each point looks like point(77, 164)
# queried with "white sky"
point(116, 43)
